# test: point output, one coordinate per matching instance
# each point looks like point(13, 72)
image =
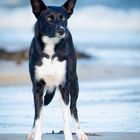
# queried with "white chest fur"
point(52, 72)
point(50, 44)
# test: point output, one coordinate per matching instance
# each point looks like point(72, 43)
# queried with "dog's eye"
point(50, 18)
point(62, 17)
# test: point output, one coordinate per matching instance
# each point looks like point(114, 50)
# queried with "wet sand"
point(96, 136)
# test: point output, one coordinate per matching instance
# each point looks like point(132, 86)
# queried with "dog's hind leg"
point(38, 89)
point(64, 101)
point(49, 96)
point(74, 91)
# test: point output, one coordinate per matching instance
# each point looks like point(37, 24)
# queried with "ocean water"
point(113, 106)
point(97, 23)
point(98, 28)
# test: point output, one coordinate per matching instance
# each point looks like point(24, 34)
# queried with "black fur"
point(64, 50)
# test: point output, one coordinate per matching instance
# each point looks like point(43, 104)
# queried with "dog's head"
point(52, 20)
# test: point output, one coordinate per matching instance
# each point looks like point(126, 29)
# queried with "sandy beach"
point(96, 136)
point(13, 74)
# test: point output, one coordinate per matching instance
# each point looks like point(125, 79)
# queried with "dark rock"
point(17, 56)
point(21, 55)
point(81, 55)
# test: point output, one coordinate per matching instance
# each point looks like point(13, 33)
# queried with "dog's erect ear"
point(37, 6)
point(69, 6)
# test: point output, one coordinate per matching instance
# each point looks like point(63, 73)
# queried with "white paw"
point(31, 135)
point(68, 139)
point(34, 136)
point(82, 136)
point(68, 136)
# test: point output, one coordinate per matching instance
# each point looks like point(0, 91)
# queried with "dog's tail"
point(48, 97)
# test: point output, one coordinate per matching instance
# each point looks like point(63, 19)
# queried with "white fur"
point(51, 71)
point(80, 134)
point(66, 116)
point(50, 44)
point(38, 129)
point(36, 132)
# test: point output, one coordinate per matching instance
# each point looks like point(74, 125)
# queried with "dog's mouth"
point(60, 33)
point(60, 36)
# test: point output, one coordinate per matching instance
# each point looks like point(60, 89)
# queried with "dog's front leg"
point(64, 101)
point(74, 91)
point(36, 133)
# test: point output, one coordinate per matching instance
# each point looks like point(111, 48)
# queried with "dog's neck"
point(50, 44)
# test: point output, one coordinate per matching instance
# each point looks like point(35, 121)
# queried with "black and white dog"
point(52, 64)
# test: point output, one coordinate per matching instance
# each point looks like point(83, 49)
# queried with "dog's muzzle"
point(61, 31)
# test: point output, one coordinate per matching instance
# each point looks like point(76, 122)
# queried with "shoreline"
point(95, 136)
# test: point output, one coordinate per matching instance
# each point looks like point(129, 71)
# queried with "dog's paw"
point(33, 136)
point(82, 136)
point(30, 136)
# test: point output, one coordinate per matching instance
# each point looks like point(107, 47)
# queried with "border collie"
point(52, 65)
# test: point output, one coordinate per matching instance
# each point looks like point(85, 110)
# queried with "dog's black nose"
point(61, 31)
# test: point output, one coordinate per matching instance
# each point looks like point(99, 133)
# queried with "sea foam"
point(92, 24)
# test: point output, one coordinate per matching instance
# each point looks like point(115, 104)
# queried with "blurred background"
point(106, 35)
